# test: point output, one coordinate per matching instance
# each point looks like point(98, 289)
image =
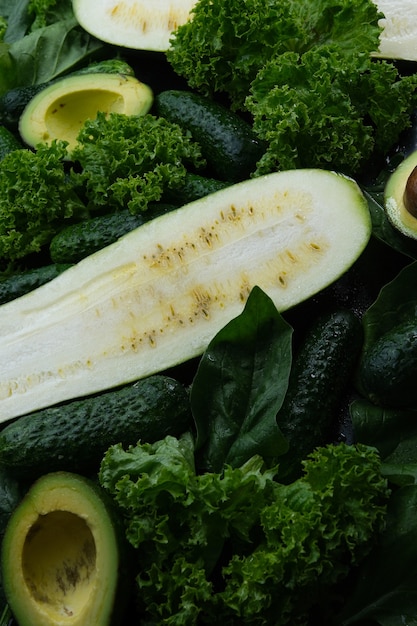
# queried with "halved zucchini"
point(157, 296)
point(399, 35)
point(60, 110)
point(137, 24)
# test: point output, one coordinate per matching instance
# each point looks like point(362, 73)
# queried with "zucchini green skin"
point(228, 143)
point(8, 142)
point(75, 435)
point(323, 368)
point(23, 282)
point(77, 241)
point(387, 370)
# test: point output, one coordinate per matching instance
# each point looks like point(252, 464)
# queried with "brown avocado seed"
point(410, 193)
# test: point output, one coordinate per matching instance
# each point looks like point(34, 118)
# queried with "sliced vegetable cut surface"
point(136, 24)
point(156, 297)
point(399, 34)
point(63, 555)
point(60, 110)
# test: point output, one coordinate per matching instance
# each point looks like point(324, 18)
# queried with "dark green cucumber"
point(228, 143)
point(11, 494)
point(322, 369)
point(8, 142)
point(21, 283)
point(387, 370)
point(79, 240)
point(193, 188)
point(108, 66)
point(14, 101)
point(74, 436)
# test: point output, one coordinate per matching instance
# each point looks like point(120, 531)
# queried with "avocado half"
point(61, 109)
point(64, 557)
point(400, 197)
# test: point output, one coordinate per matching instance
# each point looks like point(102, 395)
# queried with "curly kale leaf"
point(36, 198)
point(129, 161)
point(228, 41)
point(237, 546)
point(325, 109)
point(315, 530)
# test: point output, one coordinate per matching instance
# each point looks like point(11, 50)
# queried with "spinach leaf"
point(385, 587)
point(48, 52)
point(381, 427)
point(240, 385)
point(394, 433)
point(18, 20)
point(396, 303)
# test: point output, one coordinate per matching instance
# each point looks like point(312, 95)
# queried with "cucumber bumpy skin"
point(157, 296)
point(227, 141)
point(322, 369)
point(19, 284)
point(74, 436)
point(386, 373)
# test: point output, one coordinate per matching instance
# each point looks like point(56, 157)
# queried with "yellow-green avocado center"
point(61, 109)
point(398, 210)
point(59, 563)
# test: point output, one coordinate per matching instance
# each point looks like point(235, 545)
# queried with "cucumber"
point(322, 369)
point(108, 66)
point(13, 103)
point(11, 494)
point(23, 282)
point(157, 296)
point(194, 187)
point(77, 241)
point(386, 373)
point(228, 142)
point(8, 142)
point(74, 436)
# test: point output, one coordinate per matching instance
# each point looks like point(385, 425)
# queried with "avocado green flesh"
point(66, 115)
point(395, 208)
point(59, 559)
point(60, 110)
point(60, 555)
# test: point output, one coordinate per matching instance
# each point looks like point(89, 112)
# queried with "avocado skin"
point(387, 371)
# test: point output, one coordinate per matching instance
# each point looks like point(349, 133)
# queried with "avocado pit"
point(400, 197)
point(410, 193)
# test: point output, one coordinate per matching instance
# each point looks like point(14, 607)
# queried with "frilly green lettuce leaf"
point(129, 161)
point(237, 546)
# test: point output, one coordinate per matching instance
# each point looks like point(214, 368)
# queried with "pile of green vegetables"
point(304, 72)
point(218, 534)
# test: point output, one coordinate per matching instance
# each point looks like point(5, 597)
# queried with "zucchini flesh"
point(136, 24)
point(157, 296)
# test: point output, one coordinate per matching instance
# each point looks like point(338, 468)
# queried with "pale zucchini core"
point(136, 24)
point(157, 296)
